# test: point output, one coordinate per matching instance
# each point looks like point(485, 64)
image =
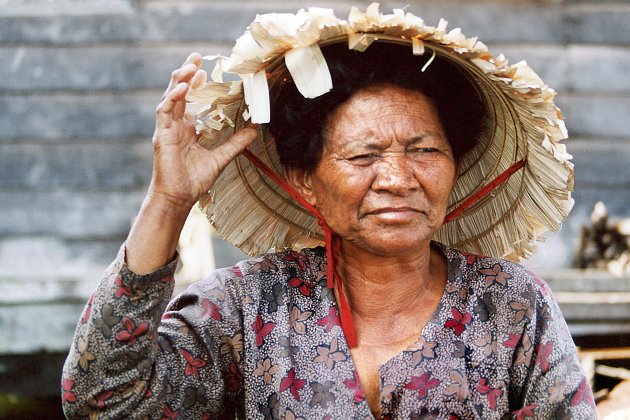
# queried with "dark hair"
point(298, 124)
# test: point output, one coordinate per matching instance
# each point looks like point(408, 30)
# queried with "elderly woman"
point(382, 321)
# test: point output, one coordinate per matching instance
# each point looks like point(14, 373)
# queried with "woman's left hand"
point(182, 172)
point(182, 169)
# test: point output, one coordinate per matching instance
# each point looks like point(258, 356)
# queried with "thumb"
point(235, 144)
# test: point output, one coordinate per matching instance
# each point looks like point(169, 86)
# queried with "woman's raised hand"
point(182, 169)
point(182, 172)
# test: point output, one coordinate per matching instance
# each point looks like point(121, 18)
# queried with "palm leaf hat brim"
point(513, 186)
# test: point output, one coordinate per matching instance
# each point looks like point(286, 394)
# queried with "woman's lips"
point(400, 214)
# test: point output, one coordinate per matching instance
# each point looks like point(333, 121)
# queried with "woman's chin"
point(390, 245)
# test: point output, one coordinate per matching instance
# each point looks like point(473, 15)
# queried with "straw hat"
point(513, 186)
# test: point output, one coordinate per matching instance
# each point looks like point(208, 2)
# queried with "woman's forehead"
point(373, 116)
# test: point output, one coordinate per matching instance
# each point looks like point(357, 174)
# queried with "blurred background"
point(79, 83)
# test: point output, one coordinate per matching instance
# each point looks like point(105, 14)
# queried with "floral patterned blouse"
point(262, 340)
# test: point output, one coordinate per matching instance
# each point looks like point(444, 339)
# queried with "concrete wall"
point(79, 82)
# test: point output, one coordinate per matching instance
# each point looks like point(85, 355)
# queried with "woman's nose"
point(395, 174)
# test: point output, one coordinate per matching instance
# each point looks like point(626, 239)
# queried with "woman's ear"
point(300, 180)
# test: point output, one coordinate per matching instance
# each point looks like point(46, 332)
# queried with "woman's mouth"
point(395, 214)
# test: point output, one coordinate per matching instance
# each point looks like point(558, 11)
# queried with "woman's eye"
point(365, 158)
point(422, 150)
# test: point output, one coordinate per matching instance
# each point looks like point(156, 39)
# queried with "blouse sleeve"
point(134, 357)
point(547, 375)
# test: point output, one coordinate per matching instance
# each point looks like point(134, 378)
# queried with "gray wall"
point(79, 82)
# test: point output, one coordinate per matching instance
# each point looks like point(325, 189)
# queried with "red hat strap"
point(485, 190)
point(333, 246)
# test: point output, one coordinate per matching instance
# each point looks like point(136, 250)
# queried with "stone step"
point(64, 116)
point(30, 69)
point(29, 328)
point(131, 115)
point(585, 281)
point(574, 68)
point(45, 268)
point(600, 163)
point(65, 7)
point(112, 68)
point(119, 165)
point(598, 115)
point(185, 21)
point(75, 165)
point(152, 22)
point(69, 214)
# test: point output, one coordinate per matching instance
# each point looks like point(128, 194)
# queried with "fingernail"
point(189, 66)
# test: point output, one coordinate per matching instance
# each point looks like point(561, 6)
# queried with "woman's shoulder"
point(501, 290)
point(493, 275)
point(305, 263)
point(263, 271)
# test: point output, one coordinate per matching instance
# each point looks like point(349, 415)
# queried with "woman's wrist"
point(153, 238)
point(169, 204)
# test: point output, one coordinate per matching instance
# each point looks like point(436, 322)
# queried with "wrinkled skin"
point(386, 173)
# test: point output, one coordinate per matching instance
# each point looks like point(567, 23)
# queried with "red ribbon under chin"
point(333, 247)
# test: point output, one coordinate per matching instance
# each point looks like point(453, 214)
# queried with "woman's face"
point(386, 172)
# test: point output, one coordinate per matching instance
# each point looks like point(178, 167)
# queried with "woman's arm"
point(547, 372)
point(130, 359)
point(120, 363)
point(182, 172)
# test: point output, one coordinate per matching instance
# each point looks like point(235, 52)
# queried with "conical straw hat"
point(522, 125)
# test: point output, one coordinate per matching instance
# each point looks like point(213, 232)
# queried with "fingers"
point(173, 102)
point(167, 110)
point(198, 79)
point(185, 72)
point(194, 58)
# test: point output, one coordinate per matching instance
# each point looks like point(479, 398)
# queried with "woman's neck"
point(383, 288)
